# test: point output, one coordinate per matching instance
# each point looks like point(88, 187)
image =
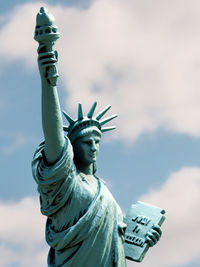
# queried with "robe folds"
point(82, 228)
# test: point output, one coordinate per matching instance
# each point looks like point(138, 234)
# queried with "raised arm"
point(52, 124)
point(51, 121)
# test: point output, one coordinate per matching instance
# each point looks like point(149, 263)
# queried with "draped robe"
point(82, 228)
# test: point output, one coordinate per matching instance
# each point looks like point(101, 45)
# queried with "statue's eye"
point(87, 142)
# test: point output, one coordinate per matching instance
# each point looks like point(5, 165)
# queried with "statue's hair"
point(84, 132)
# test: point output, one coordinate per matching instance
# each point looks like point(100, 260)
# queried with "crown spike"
point(108, 119)
point(91, 112)
point(109, 128)
point(100, 114)
point(70, 120)
point(80, 112)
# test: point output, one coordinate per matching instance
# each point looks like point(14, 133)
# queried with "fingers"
point(122, 228)
point(48, 54)
point(157, 229)
point(56, 54)
point(149, 240)
point(154, 235)
point(47, 59)
point(152, 238)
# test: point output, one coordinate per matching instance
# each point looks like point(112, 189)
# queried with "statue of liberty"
point(84, 225)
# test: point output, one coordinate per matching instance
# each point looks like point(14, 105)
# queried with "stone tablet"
point(139, 219)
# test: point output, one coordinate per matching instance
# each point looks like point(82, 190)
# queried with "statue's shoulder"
point(100, 179)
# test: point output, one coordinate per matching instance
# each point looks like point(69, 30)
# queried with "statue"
point(85, 226)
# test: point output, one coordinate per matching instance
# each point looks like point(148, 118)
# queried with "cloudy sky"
point(143, 58)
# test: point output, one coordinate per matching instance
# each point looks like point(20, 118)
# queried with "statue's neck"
point(86, 169)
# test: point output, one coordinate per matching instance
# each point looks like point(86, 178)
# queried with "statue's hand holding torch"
point(46, 33)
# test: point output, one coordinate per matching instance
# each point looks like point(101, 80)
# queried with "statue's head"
point(86, 146)
point(85, 133)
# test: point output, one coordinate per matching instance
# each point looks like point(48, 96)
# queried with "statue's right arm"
point(51, 112)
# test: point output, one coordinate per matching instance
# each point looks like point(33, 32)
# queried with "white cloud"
point(16, 35)
point(137, 58)
point(22, 234)
point(141, 57)
point(180, 197)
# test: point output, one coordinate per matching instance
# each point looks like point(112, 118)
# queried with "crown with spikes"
point(82, 122)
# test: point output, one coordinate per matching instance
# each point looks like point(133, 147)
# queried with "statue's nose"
point(93, 147)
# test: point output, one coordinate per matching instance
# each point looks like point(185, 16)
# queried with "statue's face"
point(86, 148)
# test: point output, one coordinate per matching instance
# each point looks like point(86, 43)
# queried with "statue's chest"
point(85, 190)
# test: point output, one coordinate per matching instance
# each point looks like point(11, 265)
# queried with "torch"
point(46, 33)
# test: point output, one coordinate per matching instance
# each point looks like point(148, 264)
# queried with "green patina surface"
point(84, 223)
point(140, 219)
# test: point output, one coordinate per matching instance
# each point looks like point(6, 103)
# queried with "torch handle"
point(46, 33)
